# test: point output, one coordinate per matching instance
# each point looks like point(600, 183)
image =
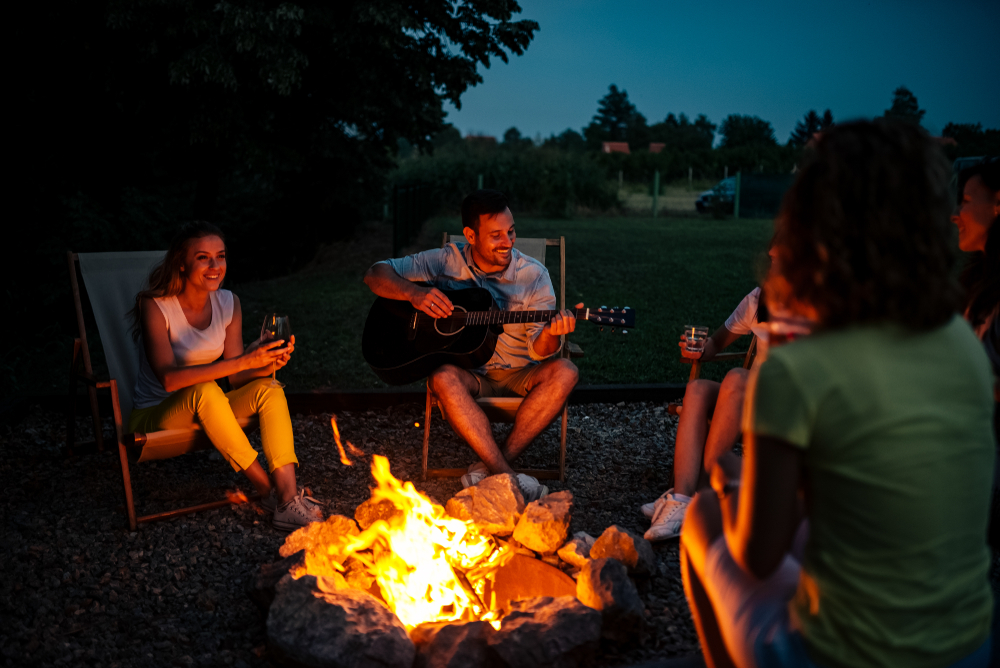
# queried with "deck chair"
point(747, 357)
point(112, 281)
point(504, 409)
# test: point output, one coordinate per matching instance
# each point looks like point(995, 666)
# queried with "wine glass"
point(276, 327)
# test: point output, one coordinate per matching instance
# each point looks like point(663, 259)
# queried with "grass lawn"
point(672, 271)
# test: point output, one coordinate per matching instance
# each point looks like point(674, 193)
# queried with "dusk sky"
point(776, 60)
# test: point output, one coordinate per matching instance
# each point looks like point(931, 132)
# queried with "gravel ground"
point(79, 589)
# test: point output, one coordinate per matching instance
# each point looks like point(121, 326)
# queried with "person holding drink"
point(853, 531)
point(699, 445)
point(191, 331)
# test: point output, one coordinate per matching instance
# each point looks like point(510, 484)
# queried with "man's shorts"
point(507, 382)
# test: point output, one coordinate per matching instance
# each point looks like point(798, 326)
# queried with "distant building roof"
point(656, 148)
point(486, 139)
point(615, 147)
point(945, 141)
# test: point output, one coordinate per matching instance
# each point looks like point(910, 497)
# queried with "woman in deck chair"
point(192, 334)
point(876, 428)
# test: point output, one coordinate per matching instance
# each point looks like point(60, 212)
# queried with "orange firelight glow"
point(428, 566)
point(340, 446)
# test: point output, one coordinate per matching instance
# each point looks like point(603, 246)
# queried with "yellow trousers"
point(217, 411)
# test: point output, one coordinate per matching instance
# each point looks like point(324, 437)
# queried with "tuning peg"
point(628, 308)
point(603, 307)
point(624, 331)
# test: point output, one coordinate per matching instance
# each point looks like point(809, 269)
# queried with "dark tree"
point(616, 119)
point(737, 130)
point(904, 107)
point(680, 134)
point(972, 140)
point(446, 136)
point(809, 126)
point(568, 140)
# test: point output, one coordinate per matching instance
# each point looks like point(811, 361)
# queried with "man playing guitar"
point(525, 361)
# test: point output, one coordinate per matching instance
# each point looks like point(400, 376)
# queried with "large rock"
point(261, 586)
point(313, 627)
point(318, 535)
point(493, 505)
point(604, 585)
point(632, 550)
point(452, 645)
point(545, 523)
point(547, 632)
point(523, 578)
point(576, 551)
point(370, 512)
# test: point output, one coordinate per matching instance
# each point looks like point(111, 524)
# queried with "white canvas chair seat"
point(112, 281)
point(504, 409)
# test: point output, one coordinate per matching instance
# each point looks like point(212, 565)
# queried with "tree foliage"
point(739, 131)
point(971, 140)
point(567, 140)
point(809, 126)
point(617, 119)
point(679, 133)
point(905, 107)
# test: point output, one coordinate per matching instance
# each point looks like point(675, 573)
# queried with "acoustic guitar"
point(403, 345)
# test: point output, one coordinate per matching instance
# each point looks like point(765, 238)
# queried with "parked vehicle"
point(721, 195)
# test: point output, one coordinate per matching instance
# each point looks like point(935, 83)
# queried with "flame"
point(236, 497)
point(357, 452)
point(428, 566)
point(340, 446)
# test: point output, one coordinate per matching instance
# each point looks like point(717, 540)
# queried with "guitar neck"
point(509, 317)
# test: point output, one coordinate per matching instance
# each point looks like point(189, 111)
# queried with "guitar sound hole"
point(450, 326)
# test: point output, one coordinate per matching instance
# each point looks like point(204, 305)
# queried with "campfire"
point(427, 566)
point(484, 580)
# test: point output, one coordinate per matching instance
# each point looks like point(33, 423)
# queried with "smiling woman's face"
point(976, 213)
point(205, 263)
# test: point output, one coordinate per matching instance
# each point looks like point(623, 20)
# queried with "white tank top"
point(191, 346)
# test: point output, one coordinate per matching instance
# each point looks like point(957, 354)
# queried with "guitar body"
point(400, 354)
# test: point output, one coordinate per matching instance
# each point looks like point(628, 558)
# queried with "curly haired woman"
point(876, 430)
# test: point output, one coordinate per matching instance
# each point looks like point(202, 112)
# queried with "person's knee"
point(564, 372)
point(735, 382)
point(702, 525)
point(206, 394)
point(700, 392)
point(445, 378)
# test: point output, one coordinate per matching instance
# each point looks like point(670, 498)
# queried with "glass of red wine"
point(276, 327)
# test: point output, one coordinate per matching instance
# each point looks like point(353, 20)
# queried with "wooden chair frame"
point(504, 409)
point(135, 447)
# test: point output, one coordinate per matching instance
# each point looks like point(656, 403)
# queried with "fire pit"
point(484, 580)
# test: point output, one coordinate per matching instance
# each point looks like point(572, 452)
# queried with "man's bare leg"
point(692, 430)
point(727, 419)
point(456, 388)
point(549, 389)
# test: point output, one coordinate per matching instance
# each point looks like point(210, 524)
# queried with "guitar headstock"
point(613, 317)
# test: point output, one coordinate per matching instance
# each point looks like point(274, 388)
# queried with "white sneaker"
point(297, 513)
point(649, 509)
point(668, 519)
point(477, 472)
point(531, 489)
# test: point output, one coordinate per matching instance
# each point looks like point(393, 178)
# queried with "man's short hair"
point(482, 202)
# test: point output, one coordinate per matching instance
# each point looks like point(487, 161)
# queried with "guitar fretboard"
point(506, 317)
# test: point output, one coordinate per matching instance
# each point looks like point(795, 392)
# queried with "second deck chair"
point(504, 409)
point(112, 281)
point(747, 357)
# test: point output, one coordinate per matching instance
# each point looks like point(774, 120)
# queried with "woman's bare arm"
point(761, 517)
point(234, 349)
point(174, 377)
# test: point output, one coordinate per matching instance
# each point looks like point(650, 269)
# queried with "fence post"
point(656, 192)
point(621, 175)
point(736, 199)
point(690, 178)
point(726, 173)
point(480, 182)
point(569, 195)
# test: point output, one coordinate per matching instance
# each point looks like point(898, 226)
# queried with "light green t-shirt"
point(895, 432)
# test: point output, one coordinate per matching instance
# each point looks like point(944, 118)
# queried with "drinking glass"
point(695, 337)
point(276, 327)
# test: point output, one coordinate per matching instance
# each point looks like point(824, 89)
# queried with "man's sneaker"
point(269, 502)
point(297, 513)
point(531, 489)
point(668, 519)
point(649, 509)
point(476, 473)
